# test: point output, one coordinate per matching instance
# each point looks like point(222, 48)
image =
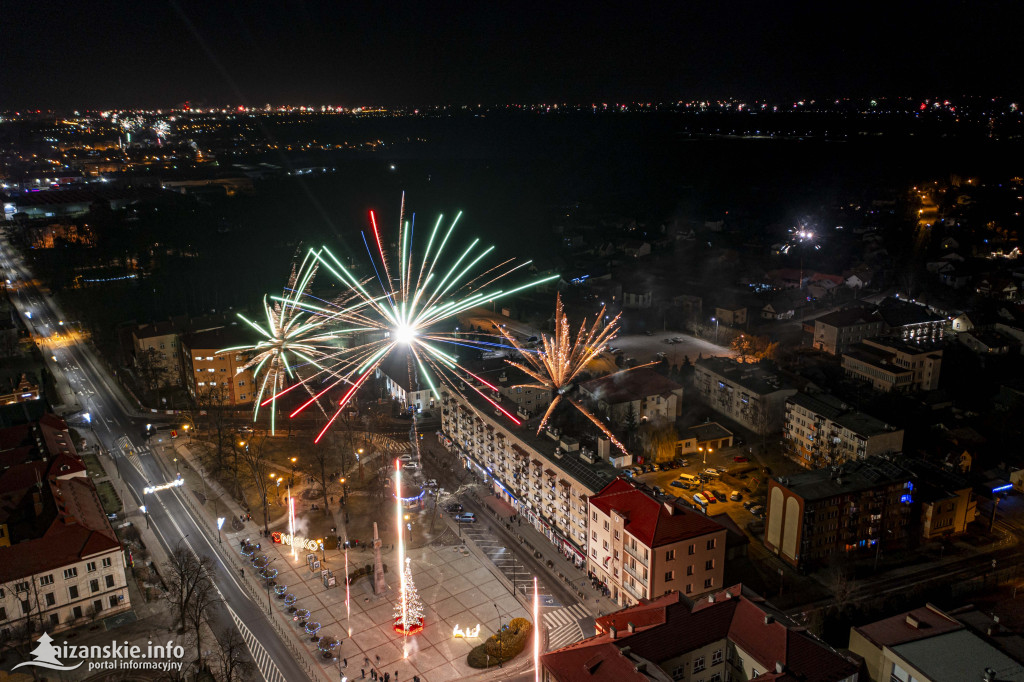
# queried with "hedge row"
point(504, 646)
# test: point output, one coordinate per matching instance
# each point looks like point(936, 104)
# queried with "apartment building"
point(160, 340)
point(948, 503)
point(821, 430)
point(752, 394)
point(731, 634)
point(835, 332)
point(546, 478)
point(212, 375)
point(60, 560)
point(642, 548)
point(652, 396)
point(859, 507)
point(401, 380)
point(890, 364)
point(911, 321)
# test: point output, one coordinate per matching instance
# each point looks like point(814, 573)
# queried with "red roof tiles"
point(672, 626)
point(649, 521)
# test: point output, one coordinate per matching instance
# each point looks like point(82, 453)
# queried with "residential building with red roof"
point(732, 634)
point(642, 548)
point(60, 560)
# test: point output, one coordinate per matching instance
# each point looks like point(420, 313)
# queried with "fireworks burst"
point(562, 359)
point(398, 309)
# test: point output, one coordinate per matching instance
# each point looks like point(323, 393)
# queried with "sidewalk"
point(232, 533)
point(593, 600)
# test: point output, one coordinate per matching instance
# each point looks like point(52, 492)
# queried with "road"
point(167, 514)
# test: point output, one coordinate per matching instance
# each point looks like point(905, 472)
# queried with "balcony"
point(635, 553)
point(632, 590)
point(633, 572)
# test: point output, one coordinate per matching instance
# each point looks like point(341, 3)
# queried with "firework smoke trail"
point(562, 359)
point(307, 340)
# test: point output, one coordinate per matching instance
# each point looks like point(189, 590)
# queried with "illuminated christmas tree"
point(409, 608)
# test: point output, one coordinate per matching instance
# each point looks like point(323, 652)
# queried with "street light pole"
point(499, 635)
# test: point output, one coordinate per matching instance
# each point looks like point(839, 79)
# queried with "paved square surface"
point(455, 588)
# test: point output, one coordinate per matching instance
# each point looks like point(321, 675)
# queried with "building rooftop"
point(855, 476)
point(757, 377)
point(52, 511)
point(652, 522)
point(839, 412)
point(926, 621)
point(957, 656)
point(592, 476)
point(707, 431)
point(848, 317)
point(216, 339)
point(671, 626)
point(904, 313)
point(635, 384)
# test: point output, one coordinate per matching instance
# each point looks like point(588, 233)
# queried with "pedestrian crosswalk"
point(131, 452)
point(266, 666)
point(564, 625)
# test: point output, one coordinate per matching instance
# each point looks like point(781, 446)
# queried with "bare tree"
point(235, 662)
point(150, 369)
point(660, 440)
point(214, 403)
point(197, 610)
point(250, 453)
point(185, 574)
point(322, 460)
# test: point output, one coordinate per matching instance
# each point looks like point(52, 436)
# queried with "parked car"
point(405, 458)
point(720, 496)
point(662, 355)
point(411, 465)
point(648, 333)
point(466, 517)
point(454, 508)
point(712, 472)
point(677, 339)
point(721, 470)
point(709, 496)
point(767, 470)
point(748, 504)
point(757, 510)
point(658, 490)
point(735, 496)
point(678, 484)
point(700, 499)
point(532, 339)
point(740, 458)
point(432, 483)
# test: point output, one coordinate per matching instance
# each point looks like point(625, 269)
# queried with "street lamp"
point(184, 427)
point(176, 467)
point(142, 509)
point(715, 320)
point(294, 466)
point(220, 524)
point(499, 634)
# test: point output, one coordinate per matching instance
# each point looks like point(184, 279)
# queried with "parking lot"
point(644, 348)
point(744, 477)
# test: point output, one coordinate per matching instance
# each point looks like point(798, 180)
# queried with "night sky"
point(155, 53)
